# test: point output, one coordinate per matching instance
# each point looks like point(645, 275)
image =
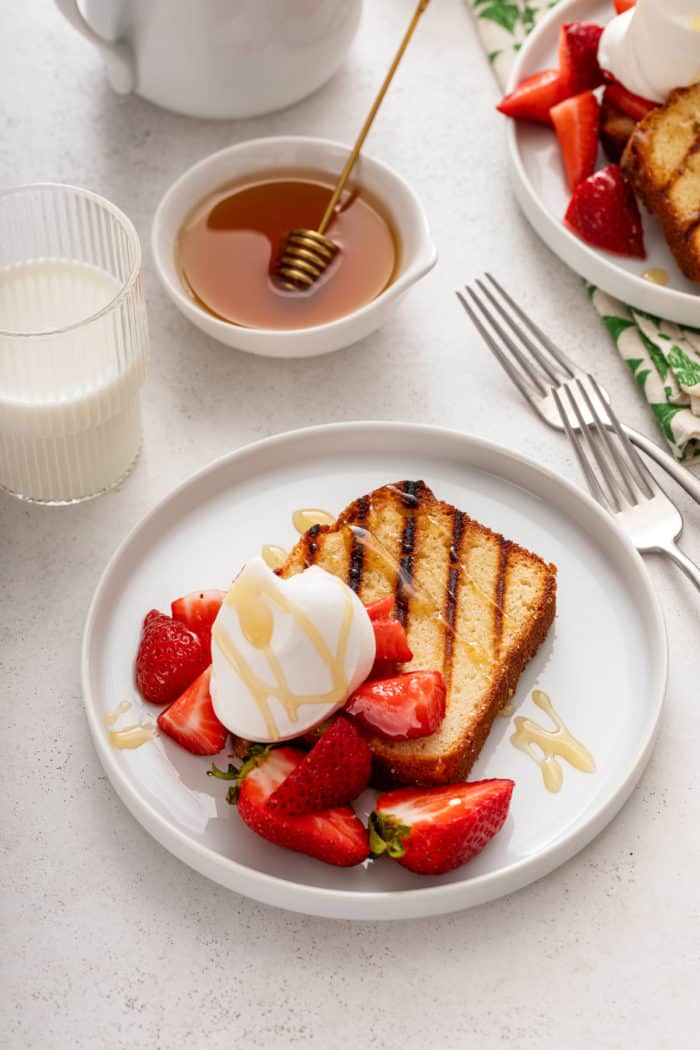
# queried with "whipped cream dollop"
point(654, 47)
point(288, 653)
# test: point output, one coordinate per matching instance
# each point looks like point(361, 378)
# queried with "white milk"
point(70, 421)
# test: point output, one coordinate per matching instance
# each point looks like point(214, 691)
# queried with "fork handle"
point(679, 473)
point(682, 561)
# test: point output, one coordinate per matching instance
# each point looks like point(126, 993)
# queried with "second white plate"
point(604, 662)
point(538, 180)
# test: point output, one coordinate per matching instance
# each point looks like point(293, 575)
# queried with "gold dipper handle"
point(370, 117)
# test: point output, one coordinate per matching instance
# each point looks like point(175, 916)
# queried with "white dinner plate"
point(540, 186)
point(603, 663)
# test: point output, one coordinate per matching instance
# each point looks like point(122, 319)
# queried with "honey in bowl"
point(229, 246)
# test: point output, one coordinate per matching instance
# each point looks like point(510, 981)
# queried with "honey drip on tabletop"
point(305, 519)
point(547, 746)
point(112, 716)
point(253, 599)
point(274, 556)
point(132, 736)
point(656, 275)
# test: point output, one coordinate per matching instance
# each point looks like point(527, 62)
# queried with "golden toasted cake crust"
point(474, 605)
point(662, 163)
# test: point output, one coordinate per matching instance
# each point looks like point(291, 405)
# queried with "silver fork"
point(536, 366)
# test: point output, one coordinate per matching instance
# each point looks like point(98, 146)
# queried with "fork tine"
point(590, 442)
point(535, 329)
point(632, 453)
point(525, 364)
point(602, 430)
point(551, 369)
point(577, 445)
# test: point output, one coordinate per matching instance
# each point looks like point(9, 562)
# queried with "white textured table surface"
point(108, 941)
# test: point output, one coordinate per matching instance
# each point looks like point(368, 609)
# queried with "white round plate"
point(540, 186)
point(604, 662)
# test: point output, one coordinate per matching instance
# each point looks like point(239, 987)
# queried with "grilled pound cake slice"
point(662, 163)
point(474, 605)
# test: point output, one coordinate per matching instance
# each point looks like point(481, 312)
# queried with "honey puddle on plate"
point(547, 746)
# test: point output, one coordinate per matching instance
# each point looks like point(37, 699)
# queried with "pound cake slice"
point(474, 605)
point(662, 163)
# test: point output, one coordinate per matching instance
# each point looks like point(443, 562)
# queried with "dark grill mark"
point(410, 496)
point(357, 548)
point(310, 545)
point(500, 597)
point(454, 577)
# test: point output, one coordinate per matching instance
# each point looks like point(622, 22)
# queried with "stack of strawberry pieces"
point(301, 800)
point(603, 210)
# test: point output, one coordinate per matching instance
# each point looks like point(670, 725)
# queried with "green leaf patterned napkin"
point(664, 358)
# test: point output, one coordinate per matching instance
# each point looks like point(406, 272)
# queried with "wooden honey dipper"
point(307, 253)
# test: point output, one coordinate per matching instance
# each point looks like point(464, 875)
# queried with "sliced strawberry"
point(534, 97)
point(197, 611)
point(623, 5)
point(382, 609)
point(578, 56)
point(335, 835)
point(603, 212)
point(405, 706)
point(433, 830)
point(576, 123)
point(334, 772)
point(633, 106)
point(169, 659)
point(191, 721)
point(391, 642)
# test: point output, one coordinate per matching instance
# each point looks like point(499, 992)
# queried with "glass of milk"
point(73, 343)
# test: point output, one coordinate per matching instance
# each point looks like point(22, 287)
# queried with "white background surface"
point(107, 940)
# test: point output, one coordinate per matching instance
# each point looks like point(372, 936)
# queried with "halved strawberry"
point(335, 835)
point(197, 611)
point(433, 830)
point(534, 97)
point(578, 56)
point(603, 212)
point(633, 106)
point(623, 5)
point(391, 642)
point(169, 658)
point(405, 706)
point(576, 123)
point(382, 609)
point(334, 772)
point(191, 721)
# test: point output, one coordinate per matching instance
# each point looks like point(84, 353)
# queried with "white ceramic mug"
point(218, 58)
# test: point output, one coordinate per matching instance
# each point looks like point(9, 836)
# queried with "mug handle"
point(117, 58)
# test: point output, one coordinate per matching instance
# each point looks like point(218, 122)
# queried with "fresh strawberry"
point(402, 707)
point(534, 97)
point(191, 721)
point(391, 642)
point(603, 212)
point(578, 56)
point(576, 123)
point(633, 106)
point(623, 5)
point(382, 609)
point(335, 836)
point(197, 611)
point(334, 772)
point(433, 830)
point(169, 659)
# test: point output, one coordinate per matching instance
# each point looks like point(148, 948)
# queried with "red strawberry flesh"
point(578, 56)
point(403, 707)
point(576, 122)
point(391, 642)
point(197, 611)
point(334, 772)
point(603, 212)
point(169, 658)
point(633, 106)
point(534, 97)
point(382, 609)
point(433, 830)
point(335, 836)
point(191, 721)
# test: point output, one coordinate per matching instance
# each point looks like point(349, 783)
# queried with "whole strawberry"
point(169, 659)
point(335, 771)
point(433, 830)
